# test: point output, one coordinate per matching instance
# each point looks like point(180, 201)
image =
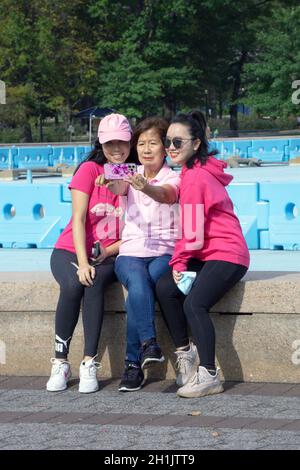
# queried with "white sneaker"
point(88, 376)
point(60, 374)
point(201, 384)
point(186, 364)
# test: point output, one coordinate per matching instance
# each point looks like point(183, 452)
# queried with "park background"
point(239, 62)
point(236, 60)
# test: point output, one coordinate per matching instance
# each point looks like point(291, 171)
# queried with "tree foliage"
point(145, 57)
point(276, 64)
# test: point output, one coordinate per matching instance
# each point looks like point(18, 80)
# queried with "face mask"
point(186, 282)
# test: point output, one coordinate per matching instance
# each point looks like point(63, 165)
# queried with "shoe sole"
point(212, 391)
point(124, 389)
point(88, 391)
point(56, 389)
point(149, 361)
point(82, 389)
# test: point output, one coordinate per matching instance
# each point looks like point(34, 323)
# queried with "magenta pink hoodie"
point(223, 238)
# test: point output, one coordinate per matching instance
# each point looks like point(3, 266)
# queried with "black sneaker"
point(151, 353)
point(132, 378)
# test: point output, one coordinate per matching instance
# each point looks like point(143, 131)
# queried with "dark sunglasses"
point(178, 143)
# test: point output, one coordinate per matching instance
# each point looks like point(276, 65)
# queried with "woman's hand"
point(86, 274)
point(177, 276)
point(117, 187)
point(103, 255)
point(101, 181)
point(137, 181)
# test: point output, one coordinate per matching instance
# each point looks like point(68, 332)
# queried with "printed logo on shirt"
point(168, 222)
point(101, 209)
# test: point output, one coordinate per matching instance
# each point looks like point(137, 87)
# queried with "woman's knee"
point(71, 289)
point(104, 277)
point(139, 288)
point(160, 286)
point(166, 287)
point(121, 273)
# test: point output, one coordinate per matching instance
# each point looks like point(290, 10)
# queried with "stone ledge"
point(250, 348)
point(257, 327)
point(258, 292)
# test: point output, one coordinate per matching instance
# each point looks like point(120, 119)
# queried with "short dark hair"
point(155, 122)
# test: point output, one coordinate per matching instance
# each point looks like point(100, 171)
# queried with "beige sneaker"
point(186, 364)
point(201, 384)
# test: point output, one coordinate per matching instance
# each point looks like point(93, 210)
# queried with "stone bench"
point(257, 329)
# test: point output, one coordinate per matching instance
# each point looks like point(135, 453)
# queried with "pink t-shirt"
point(104, 217)
point(151, 228)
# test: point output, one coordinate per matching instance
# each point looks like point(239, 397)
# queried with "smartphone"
point(118, 171)
point(96, 250)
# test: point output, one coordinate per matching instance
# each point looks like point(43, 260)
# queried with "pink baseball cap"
point(114, 127)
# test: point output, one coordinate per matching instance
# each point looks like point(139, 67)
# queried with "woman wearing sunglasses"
point(212, 245)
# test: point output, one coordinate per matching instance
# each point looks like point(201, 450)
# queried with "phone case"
point(96, 250)
point(114, 171)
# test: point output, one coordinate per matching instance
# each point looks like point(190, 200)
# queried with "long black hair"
point(196, 123)
point(97, 155)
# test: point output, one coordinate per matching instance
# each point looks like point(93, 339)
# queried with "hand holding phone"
point(98, 254)
point(137, 181)
point(96, 250)
point(113, 171)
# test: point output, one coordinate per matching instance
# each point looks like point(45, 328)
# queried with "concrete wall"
point(257, 329)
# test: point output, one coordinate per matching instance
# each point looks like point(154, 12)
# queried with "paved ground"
point(247, 416)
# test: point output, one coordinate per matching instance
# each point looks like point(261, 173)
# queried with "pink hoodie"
point(223, 238)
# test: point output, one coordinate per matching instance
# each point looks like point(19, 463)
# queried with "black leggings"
point(71, 294)
point(214, 279)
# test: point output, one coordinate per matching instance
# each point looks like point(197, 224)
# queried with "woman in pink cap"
point(81, 271)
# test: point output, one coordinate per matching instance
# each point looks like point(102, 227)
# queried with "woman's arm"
point(113, 249)
point(80, 200)
point(165, 194)
point(107, 251)
point(193, 219)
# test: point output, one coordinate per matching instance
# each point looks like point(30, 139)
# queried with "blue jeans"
point(139, 276)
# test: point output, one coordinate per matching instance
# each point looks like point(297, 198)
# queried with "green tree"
point(231, 29)
point(276, 64)
point(145, 66)
point(46, 57)
point(146, 56)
